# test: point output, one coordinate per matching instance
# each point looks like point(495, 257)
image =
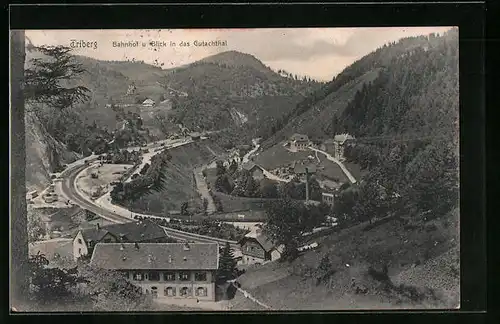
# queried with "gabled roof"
point(148, 102)
point(299, 137)
point(249, 166)
point(133, 231)
point(300, 168)
point(342, 138)
point(263, 241)
point(161, 256)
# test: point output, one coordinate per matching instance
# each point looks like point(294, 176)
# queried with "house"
point(300, 169)
point(259, 249)
point(195, 136)
point(164, 270)
point(339, 142)
point(148, 103)
point(141, 231)
point(328, 198)
point(255, 170)
point(299, 142)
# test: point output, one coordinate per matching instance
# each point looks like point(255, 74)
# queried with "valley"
point(337, 195)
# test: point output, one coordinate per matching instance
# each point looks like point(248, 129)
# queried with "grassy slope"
point(400, 246)
point(179, 181)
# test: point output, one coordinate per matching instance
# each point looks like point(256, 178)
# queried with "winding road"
point(71, 191)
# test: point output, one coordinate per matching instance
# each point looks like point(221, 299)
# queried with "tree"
point(184, 208)
point(44, 80)
point(18, 220)
point(36, 228)
point(205, 204)
point(268, 189)
point(227, 263)
point(111, 291)
point(221, 169)
point(286, 221)
point(48, 285)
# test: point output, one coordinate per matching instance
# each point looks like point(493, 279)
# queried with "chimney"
point(122, 247)
point(307, 184)
point(169, 259)
point(186, 246)
point(97, 226)
point(136, 245)
point(150, 258)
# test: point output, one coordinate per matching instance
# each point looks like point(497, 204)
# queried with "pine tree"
point(227, 264)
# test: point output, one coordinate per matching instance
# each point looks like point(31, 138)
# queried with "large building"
point(164, 270)
point(339, 142)
point(142, 231)
point(259, 249)
point(328, 198)
point(299, 142)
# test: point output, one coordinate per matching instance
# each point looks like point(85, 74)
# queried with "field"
point(278, 156)
point(106, 173)
point(330, 170)
point(355, 170)
point(179, 182)
point(421, 257)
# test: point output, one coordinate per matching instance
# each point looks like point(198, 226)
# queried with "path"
point(249, 296)
point(340, 164)
point(201, 186)
point(256, 147)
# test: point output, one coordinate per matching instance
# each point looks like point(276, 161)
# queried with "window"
point(154, 292)
point(138, 276)
point(79, 251)
point(200, 276)
point(185, 292)
point(154, 276)
point(184, 276)
point(201, 291)
point(169, 291)
point(79, 241)
point(169, 276)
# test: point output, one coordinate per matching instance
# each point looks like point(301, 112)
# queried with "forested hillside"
point(318, 114)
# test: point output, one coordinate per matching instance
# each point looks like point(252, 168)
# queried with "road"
point(109, 212)
point(256, 146)
point(340, 164)
point(201, 185)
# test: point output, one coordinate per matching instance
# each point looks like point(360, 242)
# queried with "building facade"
point(339, 142)
point(164, 270)
point(258, 250)
point(299, 142)
point(328, 198)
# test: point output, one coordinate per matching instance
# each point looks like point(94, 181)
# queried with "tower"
point(307, 184)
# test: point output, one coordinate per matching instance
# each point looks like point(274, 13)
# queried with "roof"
point(300, 168)
point(299, 137)
point(249, 166)
point(148, 102)
point(133, 231)
point(263, 241)
point(161, 256)
point(342, 138)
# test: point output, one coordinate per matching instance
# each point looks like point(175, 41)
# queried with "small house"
point(259, 249)
point(195, 136)
point(164, 270)
point(142, 231)
point(148, 103)
point(255, 170)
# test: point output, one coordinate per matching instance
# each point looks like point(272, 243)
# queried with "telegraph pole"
point(307, 185)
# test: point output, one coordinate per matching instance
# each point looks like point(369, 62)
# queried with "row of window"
point(169, 276)
point(183, 292)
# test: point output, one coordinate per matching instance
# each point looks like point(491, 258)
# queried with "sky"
point(319, 53)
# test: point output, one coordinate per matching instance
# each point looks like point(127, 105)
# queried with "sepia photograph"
point(286, 169)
